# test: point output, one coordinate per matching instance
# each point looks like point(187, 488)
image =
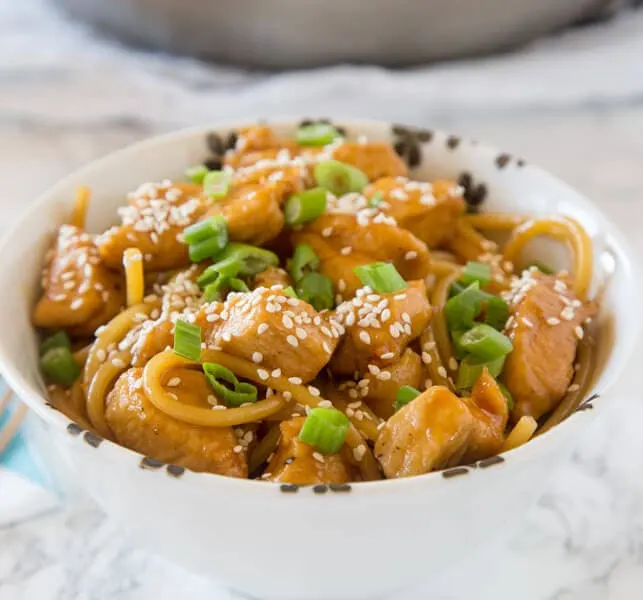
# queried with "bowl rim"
point(615, 240)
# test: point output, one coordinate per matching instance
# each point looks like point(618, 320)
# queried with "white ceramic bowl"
point(357, 541)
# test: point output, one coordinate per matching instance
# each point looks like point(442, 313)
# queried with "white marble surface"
point(66, 99)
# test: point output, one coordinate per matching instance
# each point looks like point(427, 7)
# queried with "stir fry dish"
point(311, 314)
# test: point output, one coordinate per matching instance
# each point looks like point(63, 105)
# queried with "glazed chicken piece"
point(286, 175)
point(545, 327)
point(293, 461)
point(272, 329)
point(437, 430)
point(137, 424)
point(379, 327)
point(252, 213)
point(80, 294)
point(428, 210)
point(272, 276)
point(375, 159)
point(153, 221)
point(384, 383)
point(344, 241)
point(254, 143)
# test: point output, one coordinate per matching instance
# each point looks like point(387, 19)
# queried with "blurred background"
point(559, 82)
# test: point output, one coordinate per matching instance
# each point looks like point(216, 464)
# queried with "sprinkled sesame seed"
point(263, 374)
point(346, 250)
point(453, 363)
point(238, 449)
point(411, 255)
point(292, 340)
point(174, 382)
point(76, 303)
point(276, 373)
point(527, 322)
point(101, 354)
point(295, 380)
point(318, 457)
point(574, 387)
point(325, 404)
point(384, 375)
point(257, 357)
point(567, 313)
point(262, 328)
point(406, 317)
point(327, 232)
point(365, 337)
point(387, 355)
point(359, 452)
point(301, 333)
point(578, 330)
point(287, 321)
point(326, 347)
point(442, 372)
point(399, 297)
point(313, 391)
point(426, 358)
point(374, 369)
point(552, 321)
point(118, 363)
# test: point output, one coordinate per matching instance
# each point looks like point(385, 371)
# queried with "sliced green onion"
point(218, 376)
point(317, 290)
point(214, 291)
point(304, 259)
point(507, 394)
point(217, 183)
point(206, 249)
point(458, 351)
point(187, 340)
point(496, 313)
point(471, 368)
point(196, 174)
point(239, 259)
point(542, 268)
point(476, 271)
point(485, 343)
point(381, 277)
point(457, 287)
point(325, 429)
point(59, 366)
point(290, 292)
point(339, 178)
point(405, 395)
point(375, 200)
point(316, 134)
point(305, 206)
point(60, 339)
point(212, 227)
point(461, 310)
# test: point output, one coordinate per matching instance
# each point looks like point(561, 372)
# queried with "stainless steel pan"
point(301, 33)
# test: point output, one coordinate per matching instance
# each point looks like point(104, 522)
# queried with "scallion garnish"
point(218, 376)
point(381, 277)
point(507, 394)
point(196, 174)
point(317, 290)
point(305, 206)
point(375, 200)
point(217, 183)
point(205, 229)
point(187, 340)
point(485, 343)
point(316, 134)
point(496, 313)
point(462, 309)
point(476, 271)
point(290, 292)
point(60, 339)
point(405, 395)
point(238, 260)
point(325, 429)
point(214, 291)
point(339, 178)
point(471, 368)
point(304, 260)
point(59, 366)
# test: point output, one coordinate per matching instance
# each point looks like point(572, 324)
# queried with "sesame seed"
point(399, 297)
point(384, 375)
point(527, 322)
point(292, 340)
point(327, 232)
point(365, 337)
point(341, 285)
point(359, 452)
point(276, 373)
point(174, 382)
point(318, 457)
point(406, 317)
point(326, 347)
point(295, 380)
point(238, 449)
point(346, 250)
point(118, 363)
point(301, 333)
point(76, 303)
point(287, 321)
point(387, 355)
point(263, 374)
point(374, 369)
point(101, 354)
point(257, 357)
point(453, 363)
point(262, 328)
point(349, 411)
point(426, 358)
point(578, 330)
point(313, 391)
point(410, 255)
point(567, 313)
point(552, 321)
point(442, 372)
point(574, 387)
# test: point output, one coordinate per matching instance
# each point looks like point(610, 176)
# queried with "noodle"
point(494, 221)
point(520, 434)
point(368, 425)
point(441, 331)
point(468, 244)
point(264, 448)
point(81, 204)
point(135, 282)
point(563, 229)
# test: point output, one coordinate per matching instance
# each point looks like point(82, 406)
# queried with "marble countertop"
point(66, 98)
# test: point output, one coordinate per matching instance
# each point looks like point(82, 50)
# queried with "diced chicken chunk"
point(252, 213)
point(384, 383)
point(344, 241)
point(545, 327)
point(256, 138)
point(296, 462)
point(137, 424)
point(273, 330)
point(272, 276)
point(379, 327)
point(153, 221)
point(437, 430)
point(428, 210)
point(375, 159)
point(429, 433)
point(80, 294)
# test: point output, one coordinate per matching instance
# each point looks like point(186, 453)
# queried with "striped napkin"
point(25, 490)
